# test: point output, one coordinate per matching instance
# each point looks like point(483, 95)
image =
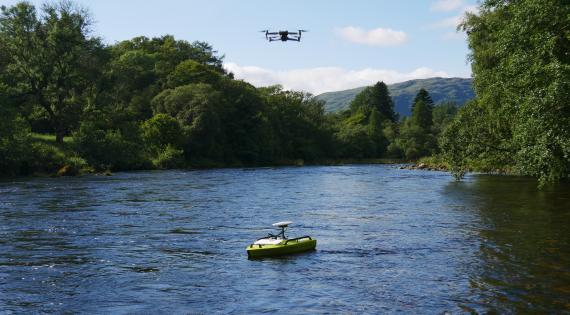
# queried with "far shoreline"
point(213, 166)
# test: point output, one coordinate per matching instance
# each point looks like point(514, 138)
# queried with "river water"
point(389, 240)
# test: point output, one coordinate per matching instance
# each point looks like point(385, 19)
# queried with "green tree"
point(247, 126)
point(196, 107)
point(50, 56)
point(114, 149)
point(355, 141)
point(14, 139)
point(190, 71)
point(521, 77)
point(471, 142)
point(299, 123)
point(134, 82)
point(372, 107)
point(422, 109)
point(375, 97)
point(375, 131)
point(416, 138)
point(143, 67)
point(161, 131)
point(443, 114)
point(414, 141)
point(392, 131)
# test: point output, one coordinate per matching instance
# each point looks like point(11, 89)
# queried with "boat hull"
point(284, 248)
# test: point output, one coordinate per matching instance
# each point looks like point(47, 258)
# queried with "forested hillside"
point(458, 90)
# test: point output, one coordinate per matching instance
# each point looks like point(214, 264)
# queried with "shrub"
point(110, 149)
point(74, 165)
point(160, 131)
point(169, 157)
point(14, 144)
point(45, 158)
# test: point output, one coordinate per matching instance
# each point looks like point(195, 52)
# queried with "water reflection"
point(523, 263)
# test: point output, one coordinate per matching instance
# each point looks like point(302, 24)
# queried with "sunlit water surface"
point(388, 240)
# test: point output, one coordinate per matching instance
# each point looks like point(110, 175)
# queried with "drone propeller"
point(303, 31)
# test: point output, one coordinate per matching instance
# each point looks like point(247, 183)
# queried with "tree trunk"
point(59, 136)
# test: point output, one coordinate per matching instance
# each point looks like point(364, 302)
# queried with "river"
point(389, 240)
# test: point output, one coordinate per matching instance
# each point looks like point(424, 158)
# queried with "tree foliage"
point(521, 68)
point(416, 136)
point(50, 58)
point(442, 116)
point(361, 134)
point(375, 97)
point(14, 141)
point(422, 110)
point(163, 103)
point(161, 131)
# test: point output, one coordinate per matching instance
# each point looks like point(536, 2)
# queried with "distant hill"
point(440, 89)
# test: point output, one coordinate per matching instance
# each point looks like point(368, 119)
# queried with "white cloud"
point(455, 20)
point(452, 22)
point(374, 37)
point(471, 9)
point(446, 5)
point(326, 79)
point(454, 35)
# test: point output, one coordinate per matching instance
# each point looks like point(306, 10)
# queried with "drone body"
point(283, 35)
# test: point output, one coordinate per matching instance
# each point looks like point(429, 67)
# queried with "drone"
point(283, 35)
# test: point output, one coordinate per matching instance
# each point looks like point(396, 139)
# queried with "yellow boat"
point(278, 245)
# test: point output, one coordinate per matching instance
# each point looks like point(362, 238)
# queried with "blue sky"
point(350, 44)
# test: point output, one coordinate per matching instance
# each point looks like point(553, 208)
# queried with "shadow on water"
point(284, 258)
point(523, 261)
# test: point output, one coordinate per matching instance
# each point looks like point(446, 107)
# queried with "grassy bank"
point(48, 158)
point(51, 158)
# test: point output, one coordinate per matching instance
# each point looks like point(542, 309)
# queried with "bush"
point(14, 144)
point(355, 141)
point(74, 165)
point(45, 158)
point(110, 149)
point(169, 157)
point(160, 131)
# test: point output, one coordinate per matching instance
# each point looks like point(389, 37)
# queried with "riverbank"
point(45, 157)
point(83, 169)
point(429, 163)
point(52, 159)
point(437, 163)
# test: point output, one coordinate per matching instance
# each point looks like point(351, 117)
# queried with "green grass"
point(56, 158)
point(49, 139)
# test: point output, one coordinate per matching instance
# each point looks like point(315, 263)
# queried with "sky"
point(349, 44)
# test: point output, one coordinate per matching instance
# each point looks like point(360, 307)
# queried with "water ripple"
point(389, 240)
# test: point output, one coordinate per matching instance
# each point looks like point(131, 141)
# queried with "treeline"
point(165, 103)
point(520, 121)
point(370, 128)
